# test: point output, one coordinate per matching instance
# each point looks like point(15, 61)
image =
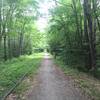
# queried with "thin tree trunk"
point(91, 36)
point(5, 48)
point(77, 24)
point(86, 36)
point(95, 14)
point(0, 28)
point(21, 44)
point(9, 47)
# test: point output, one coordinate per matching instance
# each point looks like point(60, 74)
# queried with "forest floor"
point(85, 81)
point(51, 83)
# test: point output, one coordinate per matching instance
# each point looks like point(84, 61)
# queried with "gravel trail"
point(52, 84)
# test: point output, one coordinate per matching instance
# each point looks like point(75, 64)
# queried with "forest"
point(70, 34)
point(74, 30)
point(18, 31)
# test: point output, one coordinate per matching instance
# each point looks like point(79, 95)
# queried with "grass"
point(12, 71)
point(86, 82)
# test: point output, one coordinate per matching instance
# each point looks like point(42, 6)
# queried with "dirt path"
point(53, 85)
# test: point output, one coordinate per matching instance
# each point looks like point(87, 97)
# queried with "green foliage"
point(68, 35)
point(85, 81)
point(18, 31)
point(12, 71)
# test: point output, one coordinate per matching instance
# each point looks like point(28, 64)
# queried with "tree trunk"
point(0, 27)
point(21, 44)
point(78, 33)
point(86, 37)
point(9, 48)
point(91, 35)
point(5, 48)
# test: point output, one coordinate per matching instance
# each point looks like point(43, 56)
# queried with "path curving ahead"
point(53, 85)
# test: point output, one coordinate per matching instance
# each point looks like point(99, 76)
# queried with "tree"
point(15, 16)
point(74, 26)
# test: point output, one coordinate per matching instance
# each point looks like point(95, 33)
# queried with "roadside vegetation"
point(12, 71)
point(88, 84)
point(19, 39)
point(74, 41)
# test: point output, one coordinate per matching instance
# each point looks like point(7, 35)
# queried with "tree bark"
point(91, 34)
point(5, 49)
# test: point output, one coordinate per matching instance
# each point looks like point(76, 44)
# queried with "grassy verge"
point(12, 71)
point(86, 82)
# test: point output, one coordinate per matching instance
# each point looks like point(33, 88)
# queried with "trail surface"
point(52, 84)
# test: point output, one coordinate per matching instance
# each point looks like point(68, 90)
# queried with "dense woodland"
point(74, 33)
point(72, 36)
point(18, 32)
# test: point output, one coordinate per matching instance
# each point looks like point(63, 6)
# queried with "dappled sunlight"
point(33, 56)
